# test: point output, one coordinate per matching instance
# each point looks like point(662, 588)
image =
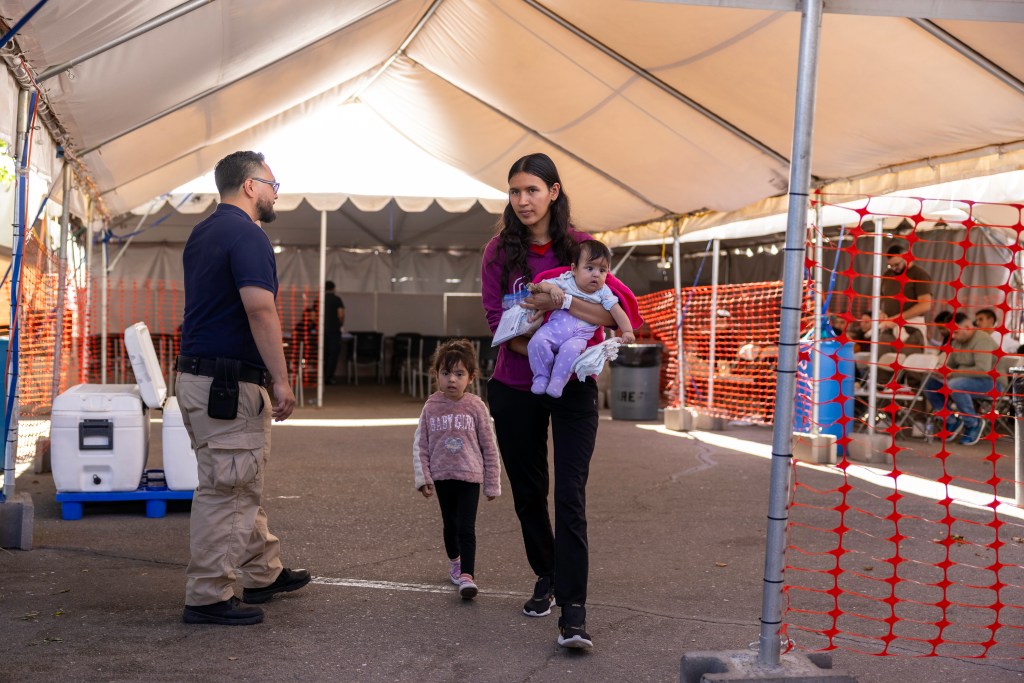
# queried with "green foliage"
point(6, 166)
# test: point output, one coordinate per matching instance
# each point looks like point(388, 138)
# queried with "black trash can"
point(636, 381)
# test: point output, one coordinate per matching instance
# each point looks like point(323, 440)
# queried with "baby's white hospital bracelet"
point(566, 302)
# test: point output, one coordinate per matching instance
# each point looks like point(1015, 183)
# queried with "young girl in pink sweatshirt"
point(454, 452)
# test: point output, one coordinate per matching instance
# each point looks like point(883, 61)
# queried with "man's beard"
point(265, 211)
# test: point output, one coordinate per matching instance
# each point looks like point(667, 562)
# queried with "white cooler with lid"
point(99, 438)
point(180, 466)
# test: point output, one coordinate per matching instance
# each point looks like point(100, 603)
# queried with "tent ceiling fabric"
point(607, 87)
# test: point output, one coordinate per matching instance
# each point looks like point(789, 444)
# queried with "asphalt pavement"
point(676, 525)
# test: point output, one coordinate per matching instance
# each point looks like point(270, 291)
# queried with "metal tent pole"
point(104, 281)
point(816, 343)
point(677, 277)
point(87, 325)
point(62, 283)
point(715, 244)
point(17, 253)
point(321, 323)
point(789, 336)
point(876, 305)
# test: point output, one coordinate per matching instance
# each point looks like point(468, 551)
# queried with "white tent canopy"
point(651, 109)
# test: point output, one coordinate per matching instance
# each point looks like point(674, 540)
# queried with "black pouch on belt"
point(223, 403)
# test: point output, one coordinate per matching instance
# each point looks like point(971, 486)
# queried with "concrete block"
point(679, 419)
point(742, 665)
point(870, 448)
point(41, 461)
point(816, 448)
point(16, 517)
point(709, 423)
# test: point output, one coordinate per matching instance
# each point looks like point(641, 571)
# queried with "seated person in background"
point(887, 330)
point(838, 324)
point(985, 319)
point(938, 330)
point(971, 359)
point(561, 339)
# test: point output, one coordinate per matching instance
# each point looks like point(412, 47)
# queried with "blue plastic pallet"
point(152, 489)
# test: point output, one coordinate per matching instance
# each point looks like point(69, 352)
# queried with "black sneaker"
point(227, 612)
point(572, 628)
point(288, 580)
point(540, 604)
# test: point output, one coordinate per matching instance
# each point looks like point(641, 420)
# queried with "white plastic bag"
point(515, 320)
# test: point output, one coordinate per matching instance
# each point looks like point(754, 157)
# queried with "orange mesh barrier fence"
point(39, 286)
point(911, 543)
point(729, 359)
point(160, 304)
point(38, 293)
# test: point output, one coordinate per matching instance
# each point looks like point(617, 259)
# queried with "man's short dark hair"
point(960, 318)
point(987, 311)
point(329, 286)
point(943, 317)
point(234, 169)
point(896, 250)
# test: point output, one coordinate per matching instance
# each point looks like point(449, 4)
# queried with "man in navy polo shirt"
point(231, 332)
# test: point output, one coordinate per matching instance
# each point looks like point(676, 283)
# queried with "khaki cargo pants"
point(228, 525)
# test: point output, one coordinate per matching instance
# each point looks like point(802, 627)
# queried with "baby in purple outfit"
point(560, 340)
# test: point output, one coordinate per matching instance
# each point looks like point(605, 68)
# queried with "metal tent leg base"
point(742, 665)
point(869, 448)
point(679, 419)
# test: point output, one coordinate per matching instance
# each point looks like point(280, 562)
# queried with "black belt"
point(207, 367)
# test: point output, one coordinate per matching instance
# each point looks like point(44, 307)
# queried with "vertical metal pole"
point(876, 306)
point(321, 324)
point(17, 253)
point(789, 337)
point(62, 283)
point(1016, 382)
point(104, 280)
point(816, 342)
point(87, 325)
point(712, 364)
point(677, 277)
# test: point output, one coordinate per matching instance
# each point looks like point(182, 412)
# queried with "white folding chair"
point(917, 369)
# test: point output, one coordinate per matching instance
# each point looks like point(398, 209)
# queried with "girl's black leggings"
point(459, 501)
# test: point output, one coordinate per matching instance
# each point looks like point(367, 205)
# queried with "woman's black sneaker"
point(540, 604)
point(572, 628)
point(227, 612)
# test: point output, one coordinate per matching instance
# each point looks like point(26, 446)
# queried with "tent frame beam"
point(660, 84)
point(976, 10)
point(142, 28)
point(214, 90)
point(362, 227)
point(532, 131)
point(386, 64)
point(964, 50)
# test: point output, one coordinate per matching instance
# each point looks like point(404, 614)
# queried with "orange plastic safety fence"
point(920, 551)
point(729, 358)
point(38, 293)
point(160, 304)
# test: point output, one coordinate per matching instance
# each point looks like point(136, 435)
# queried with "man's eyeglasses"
point(274, 185)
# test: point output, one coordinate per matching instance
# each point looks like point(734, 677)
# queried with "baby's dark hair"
point(591, 250)
point(453, 351)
